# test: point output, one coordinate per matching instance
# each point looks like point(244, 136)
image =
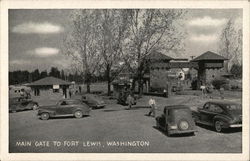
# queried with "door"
point(63, 108)
point(205, 114)
point(214, 110)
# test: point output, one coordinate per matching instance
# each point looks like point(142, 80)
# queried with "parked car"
point(176, 119)
point(219, 114)
point(93, 101)
point(20, 104)
point(65, 107)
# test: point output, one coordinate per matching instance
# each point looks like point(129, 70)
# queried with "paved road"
point(114, 129)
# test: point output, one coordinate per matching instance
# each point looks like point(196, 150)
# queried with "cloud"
point(44, 51)
point(37, 28)
point(19, 62)
point(207, 21)
point(204, 38)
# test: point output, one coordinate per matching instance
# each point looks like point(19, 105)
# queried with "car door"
point(63, 108)
point(214, 110)
point(205, 114)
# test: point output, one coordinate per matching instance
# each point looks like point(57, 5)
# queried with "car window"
point(63, 103)
point(206, 106)
point(234, 107)
point(73, 102)
point(215, 108)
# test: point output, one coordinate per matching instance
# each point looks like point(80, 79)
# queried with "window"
point(215, 108)
point(64, 103)
point(206, 106)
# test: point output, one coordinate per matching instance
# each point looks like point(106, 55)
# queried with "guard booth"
point(160, 65)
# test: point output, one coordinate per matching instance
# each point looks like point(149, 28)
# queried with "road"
point(115, 129)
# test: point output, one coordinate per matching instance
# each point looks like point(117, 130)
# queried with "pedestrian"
point(221, 92)
point(130, 101)
point(70, 93)
point(165, 93)
point(151, 103)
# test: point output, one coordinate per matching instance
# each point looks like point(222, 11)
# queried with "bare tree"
point(81, 44)
point(231, 44)
point(113, 27)
point(152, 29)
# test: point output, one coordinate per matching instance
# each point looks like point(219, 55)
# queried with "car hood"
point(235, 113)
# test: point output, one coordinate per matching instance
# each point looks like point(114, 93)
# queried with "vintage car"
point(21, 104)
point(176, 119)
point(93, 101)
point(219, 114)
point(65, 107)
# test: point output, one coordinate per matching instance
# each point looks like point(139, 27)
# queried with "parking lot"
point(115, 129)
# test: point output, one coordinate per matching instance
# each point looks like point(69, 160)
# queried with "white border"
point(5, 5)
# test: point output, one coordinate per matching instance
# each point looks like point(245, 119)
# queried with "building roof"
point(209, 56)
point(49, 81)
point(158, 56)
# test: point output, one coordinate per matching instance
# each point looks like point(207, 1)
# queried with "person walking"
point(130, 101)
point(151, 103)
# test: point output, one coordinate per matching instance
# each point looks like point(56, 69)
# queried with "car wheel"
point(78, 114)
point(35, 106)
point(45, 116)
point(217, 126)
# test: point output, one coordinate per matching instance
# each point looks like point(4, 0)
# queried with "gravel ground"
point(116, 124)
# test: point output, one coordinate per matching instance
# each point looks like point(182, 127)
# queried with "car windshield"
point(233, 107)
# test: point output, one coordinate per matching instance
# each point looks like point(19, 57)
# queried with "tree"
point(236, 70)
point(54, 72)
point(35, 75)
point(113, 26)
point(43, 74)
point(81, 44)
point(231, 44)
point(151, 29)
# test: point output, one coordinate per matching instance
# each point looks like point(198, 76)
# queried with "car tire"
point(45, 116)
point(78, 114)
point(217, 126)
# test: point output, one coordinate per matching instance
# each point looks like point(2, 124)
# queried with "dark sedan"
point(66, 107)
point(176, 119)
point(219, 114)
point(20, 104)
point(93, 101)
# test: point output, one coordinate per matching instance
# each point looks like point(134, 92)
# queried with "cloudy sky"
point(35, 36)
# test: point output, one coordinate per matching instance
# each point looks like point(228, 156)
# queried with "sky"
point(36, 36)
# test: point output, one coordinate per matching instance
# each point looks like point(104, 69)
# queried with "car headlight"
point(183, 125)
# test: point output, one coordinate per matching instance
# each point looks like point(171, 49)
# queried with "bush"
point(218, 83)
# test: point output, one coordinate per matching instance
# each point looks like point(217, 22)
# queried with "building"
point(50, 87)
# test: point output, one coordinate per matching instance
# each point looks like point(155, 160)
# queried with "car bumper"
point(181, 132)
point(235, 125)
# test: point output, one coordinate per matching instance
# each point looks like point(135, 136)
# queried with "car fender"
point(51, 113)
point(225, 120)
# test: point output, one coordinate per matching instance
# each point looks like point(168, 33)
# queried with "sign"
point(56, 86)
